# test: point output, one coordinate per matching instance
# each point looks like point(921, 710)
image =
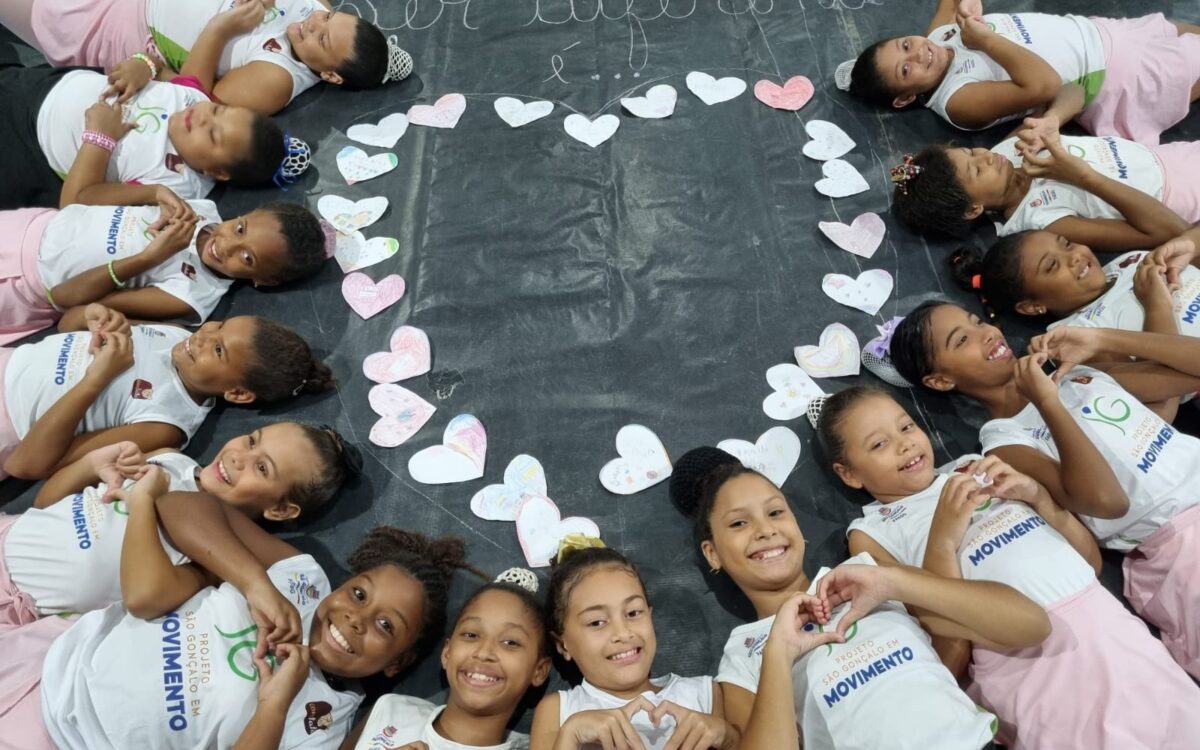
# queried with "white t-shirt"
point(1120, 308)
point(397, 720)
point(1049, 200)
point(1157, 466)
point(144, 155)
point(884, 688)
point(175, 26)
point(693, 693)
point(68, 556)
point(1005, 541)
point(38, 375)
point(1070, 44)
point(185, 680)
point(80, 238)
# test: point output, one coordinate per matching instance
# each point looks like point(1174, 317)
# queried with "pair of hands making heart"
point(613, 729)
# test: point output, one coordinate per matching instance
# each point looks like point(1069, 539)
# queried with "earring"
point(715, 571)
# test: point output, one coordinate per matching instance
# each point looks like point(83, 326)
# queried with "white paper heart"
point(460, 457)
point(408, 356)
point(658, 102)
point(862, 237)
point(643, 461)
point(591, 132)
point(444, 113)
point(517, 113)
point(835, 356)
point(402, 414)
point(773, 455)
point(841, 180)
point(499, 502)
point(369, 298)
point(355, 252)
point(383, 134)
point(867, 293)
point(713, 91)
point(828, 141)
point(540, 527)
point(793, 390)
point(356, 166)
point(349, 216)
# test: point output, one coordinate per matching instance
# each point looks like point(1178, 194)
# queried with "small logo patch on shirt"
point(302, 589)
point(1082, 379)
point(189, 270)
point(272, 45)
point(949, 35)
point(175, 163)
point(1129, 261)
point(317, 715)
point(142, 389)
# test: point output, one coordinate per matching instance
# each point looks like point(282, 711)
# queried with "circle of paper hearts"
point(540, 528)
point(523, 477)
point(354, 251)
point(444, 113)
point(402, 414)
point(828, 141)
point(460, 457)
point(658, 102)
point(713, 91)
point(367, 297)
point(356, 166)
point(867, 293)
point(383, 134)
point(643, 461)
point(349, 216)
point(835, 356)
point(591, 132)
point(793, 390)
point(791, 96)
point(774, 454)
point(862, 237)
point(517, 113)
point(841, 180)
point(408, 356)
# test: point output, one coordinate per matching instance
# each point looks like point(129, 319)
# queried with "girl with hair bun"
point(801, 672)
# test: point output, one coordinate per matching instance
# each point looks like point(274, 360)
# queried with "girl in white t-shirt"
point(843, 665)
point(496, 651)
point(63, 555)
point(146, 262)
point(151, 384)
point(601, 620)
point(1089, 438)
point(1127, 77)
point(1108, 193)
point(985, 521)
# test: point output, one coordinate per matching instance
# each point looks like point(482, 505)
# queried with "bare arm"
point(259, 85)
point(147, 303)
point(943, 14)
point(205, 55)
point(766, 719)
point(1033, 82)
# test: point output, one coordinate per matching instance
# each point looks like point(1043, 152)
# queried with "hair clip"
point(575, 542)
point(843, 75)
point(813, 411)
point(904, 172)
point(519, 577)
point(977, 281)
point(330, 237)
point(877, 354)
point(399, 64)
point(295, 161)
point(300, 387)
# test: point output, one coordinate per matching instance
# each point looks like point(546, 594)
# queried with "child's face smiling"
point(254, 473)
point(213, 360)
point(209, 137)
point(886, 453)
point(755, 537)
point(324, 41)
point(250, 247)
point(1059, 276)
point(912, 65)
point(609, 632)
point(968, 352)
point(985, 176)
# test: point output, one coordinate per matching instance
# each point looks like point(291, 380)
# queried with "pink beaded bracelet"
point(96, 138)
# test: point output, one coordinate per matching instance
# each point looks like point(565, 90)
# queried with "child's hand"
point(278, 687)
point(1150, 285)
point(241, 18)
point(276, 617)
point(1006, 482)
point(971, 9)
point(693, 730)
point(864, 586)
point(1068, 346)
point(170, 206)
point(101, 319)
point(1034, 384)
point(960, 496)
point(113, 355)
point(1034, 131)
point(1056, 164)
point(115, 463)
point(794, 625)
point(611, 729)
point(175, 236)
point(108, 119)
point(1173, 255)
point(975, 33)
point(125, 79)
point(153, 484)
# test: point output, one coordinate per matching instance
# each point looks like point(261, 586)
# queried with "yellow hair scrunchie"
point(575, 542)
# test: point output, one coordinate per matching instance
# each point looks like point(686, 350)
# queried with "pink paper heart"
point(443, 114)
point(861, 237)
point(403, 413)
point(408, 357)
point(368, 298)
point(791, 96)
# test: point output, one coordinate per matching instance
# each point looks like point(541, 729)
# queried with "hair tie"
point(574, 542)
point(813, 412)
point(330, 237)
point(843, 75)
point(519, 577)
point(904, 172)
point(300, 388)
point(977, 281)
point(399, 64)
point(296, 159)
point(877, 354)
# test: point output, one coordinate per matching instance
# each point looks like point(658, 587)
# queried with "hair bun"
point(352, 458)
point(522, 577)
point(966, 262)
point(689, 473)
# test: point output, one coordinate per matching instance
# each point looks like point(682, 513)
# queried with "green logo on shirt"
point(1120, 412)
point(149, 117)
point(241, 645)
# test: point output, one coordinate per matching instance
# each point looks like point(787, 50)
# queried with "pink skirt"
point(1149, 73)
point(9, 440)
point(1100, 681)
point(22, 655)
point(16, 607)
point(1180, 163)
point(1161, 584)
point(23, 306)
point(90, 32)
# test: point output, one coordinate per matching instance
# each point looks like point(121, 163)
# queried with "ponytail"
point(994, 276)
point(284, 365)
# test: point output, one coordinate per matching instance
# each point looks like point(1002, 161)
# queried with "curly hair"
point(304, 237)
point(284, 365)
point(573, 568)
point(264, 156)
point(1001, 285)
point(933, 202)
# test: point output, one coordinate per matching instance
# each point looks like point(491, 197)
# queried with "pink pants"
point(16, 607)
point(22, 654)
point(1161, 583)
point(9, 440)
point(88, 32)
point(1100, 681)
point(23, 306)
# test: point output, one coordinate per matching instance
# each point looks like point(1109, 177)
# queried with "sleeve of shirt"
point(740, 670)
point(1001, 432)
point(300, 579)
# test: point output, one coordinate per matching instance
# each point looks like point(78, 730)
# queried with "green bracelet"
point(50, 299)
point(113, 275)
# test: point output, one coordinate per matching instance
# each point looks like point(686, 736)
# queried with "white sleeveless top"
point(693, 693)
point(397, 720)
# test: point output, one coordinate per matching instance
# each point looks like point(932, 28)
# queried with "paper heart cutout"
point(836, 354)
point(591, 132)
point(828, 141)
point(383, 134)
point(862, 237)
point(499, 502)
point(367, 297)
point(444, 113)
point(349, 216)
point(841, 179)
point(517, 113)
point(791, 96)
point(774, 454)
point(643, 461)
point(867, 293)
point(713, 91)
point(408, 356)
point(460, 457)
point(356, 166)
point(793, 390)
point(402, 414)
point(540, 527)
point(355, 252)
point(658, 102)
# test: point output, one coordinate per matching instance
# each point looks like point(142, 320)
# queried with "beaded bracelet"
point(149, 63)
point(96, 138)
point(113, 275)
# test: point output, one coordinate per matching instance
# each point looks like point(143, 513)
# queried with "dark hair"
point(1001, 286)
point(833, 412)
point(430, 562)
point(532, 605)
point(866, 82)
point(365, 67)
point(304, 237)
point(284, 365)
point(912, 349)
point(338, 460)
point(933, 201)
point(572, 568)
point(696, 478)
point(266, 153)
